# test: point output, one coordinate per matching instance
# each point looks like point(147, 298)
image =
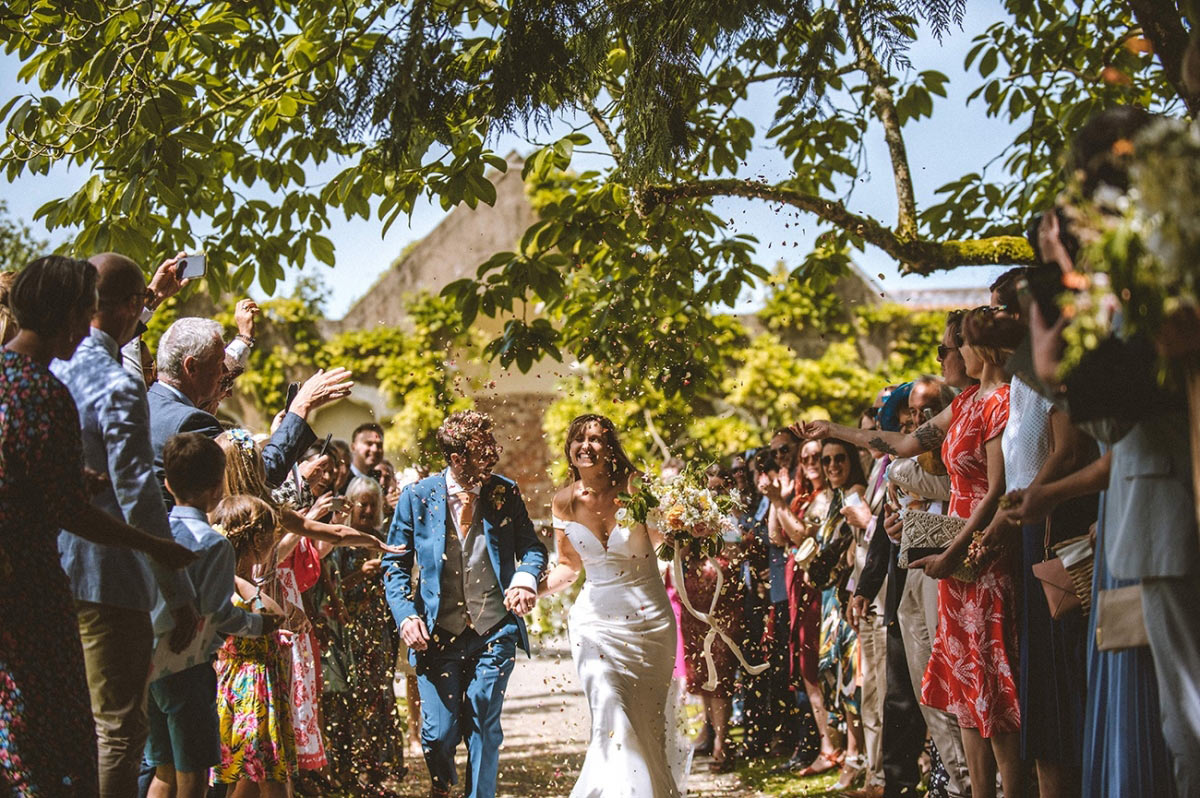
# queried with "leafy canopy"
point(240, 127)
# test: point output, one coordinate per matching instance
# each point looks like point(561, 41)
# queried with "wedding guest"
point(366, 450)
point(115, 589)
point(868, 623)
point(372, 742)
point(190, 367)
point(775, 720)
point(1138, 728)
point(185, 738)
point(910, 614)
point(1041, 445)
point(800, 521)
point(49, 731)
point(837, 665)
point(976, 620)
point(700, 580)
point(258, 743)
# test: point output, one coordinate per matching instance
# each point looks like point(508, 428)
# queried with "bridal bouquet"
point(683, 509)
point(692, 518)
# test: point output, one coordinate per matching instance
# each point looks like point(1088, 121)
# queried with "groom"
point(480, 561)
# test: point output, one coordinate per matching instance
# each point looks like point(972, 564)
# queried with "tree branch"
point(917, 256)
point(1163, 26)
point(598, 120)
point(885, 110)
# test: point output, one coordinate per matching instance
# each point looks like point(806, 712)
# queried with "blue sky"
point(957, 140)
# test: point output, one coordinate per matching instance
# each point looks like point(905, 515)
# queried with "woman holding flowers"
point(622, 628)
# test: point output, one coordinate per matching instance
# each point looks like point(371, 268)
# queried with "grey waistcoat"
point(471, 594)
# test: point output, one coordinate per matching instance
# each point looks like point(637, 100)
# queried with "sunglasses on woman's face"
point(829, 459)
point(811, 459)
point(783, 449)
point(944, 351)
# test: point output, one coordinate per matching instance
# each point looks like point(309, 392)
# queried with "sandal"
point(823, 764)
point(853, 769)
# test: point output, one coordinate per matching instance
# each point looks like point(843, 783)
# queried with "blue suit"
point(170, 415)
point(461, 678)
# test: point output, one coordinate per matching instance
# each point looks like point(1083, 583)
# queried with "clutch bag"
point(927, 531)
point(1119, 620)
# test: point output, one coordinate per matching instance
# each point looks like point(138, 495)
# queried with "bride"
point(621, 627)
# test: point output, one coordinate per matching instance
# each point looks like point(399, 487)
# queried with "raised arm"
point(336, 534)
point(898, 444)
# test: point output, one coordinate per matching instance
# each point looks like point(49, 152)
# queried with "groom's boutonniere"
point(499, 497)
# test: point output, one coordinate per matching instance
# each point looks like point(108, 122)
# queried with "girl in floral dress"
point(258, 748)
point(296, 557)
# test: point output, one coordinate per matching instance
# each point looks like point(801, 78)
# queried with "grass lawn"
point(760, 776)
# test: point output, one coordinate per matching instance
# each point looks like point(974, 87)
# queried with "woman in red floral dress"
point(972, 670)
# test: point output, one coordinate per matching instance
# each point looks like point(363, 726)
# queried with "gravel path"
point(546, 734)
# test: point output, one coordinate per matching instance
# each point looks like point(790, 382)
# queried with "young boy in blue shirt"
point(184, 739)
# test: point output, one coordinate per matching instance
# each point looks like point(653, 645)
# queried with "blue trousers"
point(462, 682)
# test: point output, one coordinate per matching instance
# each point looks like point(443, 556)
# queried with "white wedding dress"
point(622, 631)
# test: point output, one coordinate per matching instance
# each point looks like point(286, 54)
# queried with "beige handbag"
point(925, 534)
point(1119, 620)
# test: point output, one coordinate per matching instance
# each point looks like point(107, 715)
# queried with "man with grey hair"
point(191, 362)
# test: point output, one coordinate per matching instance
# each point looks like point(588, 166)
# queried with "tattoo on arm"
point(929, 435)
point(880, 445)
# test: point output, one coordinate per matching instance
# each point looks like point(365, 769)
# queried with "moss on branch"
point(915, 255)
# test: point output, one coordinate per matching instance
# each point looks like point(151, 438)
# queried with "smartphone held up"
point(192, 266)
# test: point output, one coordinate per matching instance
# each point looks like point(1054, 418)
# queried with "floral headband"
point(242, 438)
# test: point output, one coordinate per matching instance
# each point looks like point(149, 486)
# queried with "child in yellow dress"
point(258, 743)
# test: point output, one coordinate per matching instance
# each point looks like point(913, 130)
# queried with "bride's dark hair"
point(620, 467)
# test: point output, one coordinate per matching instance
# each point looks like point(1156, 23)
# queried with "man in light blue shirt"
point(116, 588)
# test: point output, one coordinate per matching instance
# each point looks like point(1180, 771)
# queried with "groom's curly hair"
point(460, 429)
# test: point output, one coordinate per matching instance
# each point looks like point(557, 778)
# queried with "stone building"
point(465, 239)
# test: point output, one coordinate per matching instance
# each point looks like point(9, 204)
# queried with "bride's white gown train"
point(622, 632)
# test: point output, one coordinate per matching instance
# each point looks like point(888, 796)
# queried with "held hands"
point(414, 633)
point(519, 600)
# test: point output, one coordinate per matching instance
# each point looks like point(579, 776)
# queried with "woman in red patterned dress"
point(972, 670)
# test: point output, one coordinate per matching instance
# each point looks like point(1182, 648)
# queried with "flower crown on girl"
point(242, 438)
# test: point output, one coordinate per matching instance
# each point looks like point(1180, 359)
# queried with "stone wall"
point(526, 457)
point(455, 249)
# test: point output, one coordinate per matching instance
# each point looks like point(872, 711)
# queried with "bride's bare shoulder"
point(563, 501)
